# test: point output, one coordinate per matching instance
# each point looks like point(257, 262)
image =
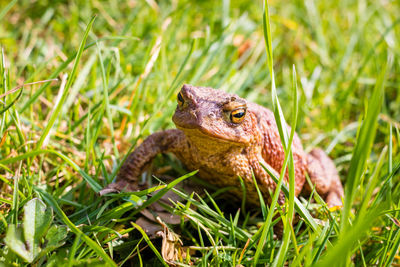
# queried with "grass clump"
point(116, 75)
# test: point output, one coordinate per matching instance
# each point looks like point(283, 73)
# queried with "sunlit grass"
point(331, 69)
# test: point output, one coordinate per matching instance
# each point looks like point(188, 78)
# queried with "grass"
point(332, 68)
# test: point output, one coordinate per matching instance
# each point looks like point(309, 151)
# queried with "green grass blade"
point(147, 239)
point(7, 8)
point(394, 249)
point(390, 162)
point(363, 147)
point(264, 209)
point(279, 118)
point(15, 202)
point(281, 124)
point(11, 103)
point(372, 184)
point(268, 40)
point(106, 102)
point(280, 257)
point(325, 234)
point(71, 78)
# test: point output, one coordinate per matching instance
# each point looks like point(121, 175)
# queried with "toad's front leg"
point(142, 156)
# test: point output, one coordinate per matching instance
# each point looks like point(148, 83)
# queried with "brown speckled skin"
point(206, 140)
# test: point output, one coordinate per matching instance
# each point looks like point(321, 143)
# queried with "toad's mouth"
point(207, 129)
point(197, 131)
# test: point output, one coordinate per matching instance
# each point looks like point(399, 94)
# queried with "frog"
point(230, 142)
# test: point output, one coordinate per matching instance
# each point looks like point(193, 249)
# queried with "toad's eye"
point(180, 99)
point(237, 115)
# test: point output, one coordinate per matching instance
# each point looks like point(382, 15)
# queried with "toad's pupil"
point(238, 115)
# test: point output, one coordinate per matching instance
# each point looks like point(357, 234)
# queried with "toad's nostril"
point(212, 115)
point(193, 114)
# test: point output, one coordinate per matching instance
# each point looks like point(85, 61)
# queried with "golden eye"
point(180, 99)
point(237, 115)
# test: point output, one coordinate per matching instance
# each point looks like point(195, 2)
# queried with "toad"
point(223, 137)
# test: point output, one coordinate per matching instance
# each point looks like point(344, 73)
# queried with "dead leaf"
point(171, 249)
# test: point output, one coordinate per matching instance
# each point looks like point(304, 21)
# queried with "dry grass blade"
point(24, 85)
